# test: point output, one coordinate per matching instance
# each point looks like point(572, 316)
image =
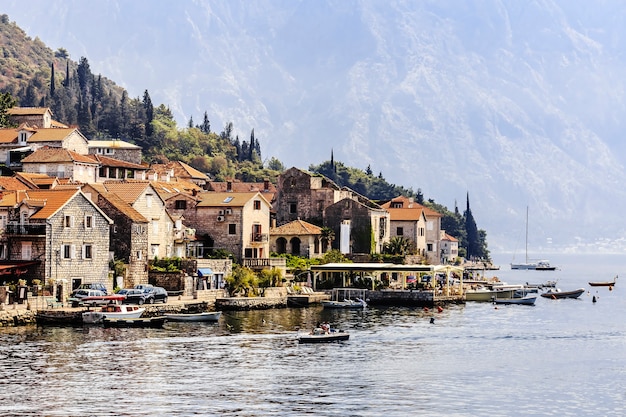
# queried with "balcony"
point(260, 263)
point(259, 237)
point(25, 229)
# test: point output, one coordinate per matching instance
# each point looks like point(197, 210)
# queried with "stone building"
point(62, 232)
point(116, 149)
point(298, 238)
point(61, 163)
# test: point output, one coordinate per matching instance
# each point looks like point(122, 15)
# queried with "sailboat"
point(542, 265)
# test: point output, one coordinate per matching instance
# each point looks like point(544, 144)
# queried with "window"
point(421, 231)
point(138, 255)
point(232, 229)
point(396, 204)
point(400, 231)
point(148, 200)
point(68, 251)
point(257, 205)
point(3, 221)
point(293, 208)
point(3, 251)
point(154, 249)
point(68, 221)
point(429, 247)
point(155, 227)
point(87, 251)
point(180, 204)
point(27, 251)
point(429, 225)
point(22, 138)
point(102, 172)
point(88, 221)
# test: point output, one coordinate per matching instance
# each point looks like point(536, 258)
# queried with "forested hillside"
point(35, 75)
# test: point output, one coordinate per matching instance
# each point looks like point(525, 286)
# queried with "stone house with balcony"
point(61, 233)
point(424, 231)
point(236, 222)
point(143, 198)
point(305, 195)
point(266, 187)
point(298, 238)
point(110, 169)
point(41, 117)
point(360, 225)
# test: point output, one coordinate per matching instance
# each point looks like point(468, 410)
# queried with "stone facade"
point(303, 195)
point(117, 149)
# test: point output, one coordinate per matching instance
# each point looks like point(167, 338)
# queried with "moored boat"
point(358, 303)
point(148, 322)
point(603, 283)
point(112, 311)
point(206, 316)
point(487, 294)
point(527, 300)
point(555, 293)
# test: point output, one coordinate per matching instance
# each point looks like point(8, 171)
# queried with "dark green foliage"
point(6, 102)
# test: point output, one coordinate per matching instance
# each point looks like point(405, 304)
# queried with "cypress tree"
point(66, 83)
point(52, 86)
point(473, 238)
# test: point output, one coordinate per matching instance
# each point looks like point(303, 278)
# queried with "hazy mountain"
point(517, 103)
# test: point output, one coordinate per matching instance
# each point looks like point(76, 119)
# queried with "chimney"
point(229, 185)
point(266, 185)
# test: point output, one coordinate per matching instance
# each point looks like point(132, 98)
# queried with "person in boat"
point(326, 327)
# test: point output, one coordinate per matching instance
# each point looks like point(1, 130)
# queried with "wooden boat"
point(318, 335)
point(59, 318)
point(555, 293)
point(526, 300)
point(148, 322)
point(358, 303)
point(206, 316)
point(487, 294)
point(603, 283)
point(113, 311)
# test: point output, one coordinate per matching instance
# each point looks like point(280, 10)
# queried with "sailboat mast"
point(526, 234)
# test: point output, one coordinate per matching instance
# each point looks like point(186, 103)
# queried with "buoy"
point(439, 309)
point(610, 288)
point(432, 320)
point(594, 299)
point(425, 308)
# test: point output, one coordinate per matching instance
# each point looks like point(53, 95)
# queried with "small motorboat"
point(320, 335)
point(206, 316)
point(527, 300)
point(357, 303)
point(603, 283)
point(147, 322)
point(112, 311)
point(555, 293)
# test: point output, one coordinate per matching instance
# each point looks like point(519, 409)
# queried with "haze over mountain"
point(518, 103)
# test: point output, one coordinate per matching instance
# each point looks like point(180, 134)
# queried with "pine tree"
point(52, 84)
point(252, 147)
point(149, 110)
point(206, 124)
point(190, 122)
point(473, 238)
point(6, 102)
point(66, 83)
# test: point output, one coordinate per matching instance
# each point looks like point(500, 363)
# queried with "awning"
point(204, 272)
point(22, 149)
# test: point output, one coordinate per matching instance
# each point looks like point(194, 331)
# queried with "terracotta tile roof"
point(8, 135)
point(296, 228)
point(51, 155)
point(53, 134)
point(241, 187)
point(450, 238)
point(53, 199)
point(112, 162)
point(212, 199)
point(27, 111)
point(57, 125)
point(124, 207)
point(12, 184)
point(127, 190)
point(181, 170)
point(407, 204)
point(412, 214)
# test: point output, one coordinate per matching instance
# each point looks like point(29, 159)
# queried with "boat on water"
point(206, 316)
point(319, 335)
point(147, 322)
point(488, 294)
point(113, 311)
point(528, 300)
point(542, 265)
point(555, 293)
point(603, 283)
point(357, 303)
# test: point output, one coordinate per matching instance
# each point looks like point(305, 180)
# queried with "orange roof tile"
point(53, 199)
point(127, 190)
point(25, 111)
point(112, 162)
point(124, 207)
point(212, 199)
point(296, 228)
point(8, 135)
point(51, 155)
point(12, 183)
point(53, 134)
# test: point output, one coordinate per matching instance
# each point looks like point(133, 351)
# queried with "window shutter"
point(73, 251)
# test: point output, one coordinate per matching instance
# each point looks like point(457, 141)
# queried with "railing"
point(255, 263)
point(25, 229)
point(259, 237)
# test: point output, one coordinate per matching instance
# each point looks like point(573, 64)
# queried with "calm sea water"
point(560, 357)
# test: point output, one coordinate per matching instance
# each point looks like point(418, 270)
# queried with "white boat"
point(542, 265)
point(358, 303)
point(113, 311)
point(206, 316)
point(528, 300)
point(488, 294)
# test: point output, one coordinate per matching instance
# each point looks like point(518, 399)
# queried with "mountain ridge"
point(517, 104)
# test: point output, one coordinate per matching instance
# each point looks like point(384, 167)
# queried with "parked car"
point(124, 291)
point(159, 294)
point(78, 295)
point(139, 296)
point(143, 286)
point(91, 286)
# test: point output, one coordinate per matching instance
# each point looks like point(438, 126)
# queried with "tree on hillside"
point(205, 127)
point(52, 82)
point(476, 243)
point(6, 102)
point(149, 112)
